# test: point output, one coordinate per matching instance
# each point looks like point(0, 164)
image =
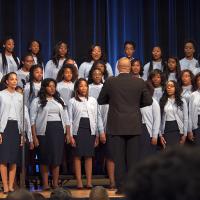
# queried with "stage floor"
point(71, 184)
point(75, 194)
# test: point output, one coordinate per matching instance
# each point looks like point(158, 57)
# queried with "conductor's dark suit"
point(125, 95)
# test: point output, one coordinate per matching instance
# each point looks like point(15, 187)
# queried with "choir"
point(61, 107)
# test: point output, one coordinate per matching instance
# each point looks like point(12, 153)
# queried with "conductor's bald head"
point(124, 65)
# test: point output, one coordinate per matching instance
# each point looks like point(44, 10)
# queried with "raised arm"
point(104, 94)
point(146, 99)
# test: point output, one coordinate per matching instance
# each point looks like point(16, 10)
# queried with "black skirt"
point(146, 148)
point(84, 140)
point(172, 133)
point(51, 145)
point(10, 147)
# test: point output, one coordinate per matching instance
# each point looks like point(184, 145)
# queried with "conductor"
point(125, 96)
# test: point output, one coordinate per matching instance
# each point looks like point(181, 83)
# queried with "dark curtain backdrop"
point(108, 22)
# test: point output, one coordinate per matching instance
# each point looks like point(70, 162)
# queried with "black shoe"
point(45, 189)
point(5, 192)
point(111, 187)
point(11, 191)
point(55, 187)
point(89, 187)
point(79, 188)
point(119, 192)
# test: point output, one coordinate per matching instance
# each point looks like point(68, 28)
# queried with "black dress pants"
point(125, 154)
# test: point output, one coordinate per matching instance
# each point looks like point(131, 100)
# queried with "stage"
point(80, 194)
point(70, 183)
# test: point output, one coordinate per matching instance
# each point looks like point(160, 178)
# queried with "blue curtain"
point(151, 22)
point(110, 23)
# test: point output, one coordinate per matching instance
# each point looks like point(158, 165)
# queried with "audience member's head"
point(98, 193)
point(171, 175)
point(20, 194)
point(38, 196)
point(60, 194)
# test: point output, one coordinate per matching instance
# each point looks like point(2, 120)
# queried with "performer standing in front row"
point(85, 119)
point(49, 123)
point(11, 104)
point(174, 116)
point(151, 126)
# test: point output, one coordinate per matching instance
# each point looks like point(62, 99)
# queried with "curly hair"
point(3, 84)
point(103, 56)
point(191, 76)
point(178, 100)
point(141, 67)
point(4, 60)
point(24, 58)
point(172, 174)
point(195, 80)
point(38, 55)
point(178, 69)
point(56, 56)
point(76, 86)
point(73, 69)
point(67, 59)
point(90, 79)
point(162, 76)
point(20, 194)
point(152, 59)
point(131, 43)
point(42, 94)
point(94, 66)
point(61, 194)
point(99, 192)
